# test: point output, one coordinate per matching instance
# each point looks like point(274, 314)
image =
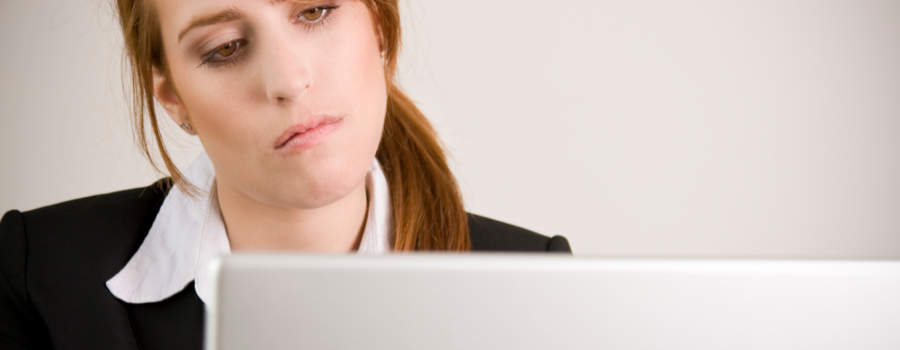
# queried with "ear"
point(164, 92)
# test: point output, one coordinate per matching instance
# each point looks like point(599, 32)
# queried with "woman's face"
point(288, 98)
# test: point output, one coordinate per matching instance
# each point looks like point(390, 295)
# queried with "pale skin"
point(244, 78)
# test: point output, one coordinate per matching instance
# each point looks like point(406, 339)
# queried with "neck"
point(254, 226)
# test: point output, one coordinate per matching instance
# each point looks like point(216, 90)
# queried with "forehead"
point(174, 14)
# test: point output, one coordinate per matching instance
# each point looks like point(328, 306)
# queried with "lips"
point(307, 134)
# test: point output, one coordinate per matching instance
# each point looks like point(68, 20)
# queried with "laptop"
point(540, 301)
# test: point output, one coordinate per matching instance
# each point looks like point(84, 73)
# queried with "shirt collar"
point(188, 232)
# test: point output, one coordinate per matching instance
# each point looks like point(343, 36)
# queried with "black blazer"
point(55, 261)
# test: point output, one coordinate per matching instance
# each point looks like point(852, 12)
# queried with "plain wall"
point(634, 128)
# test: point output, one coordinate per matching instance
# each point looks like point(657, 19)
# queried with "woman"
point(309, 147)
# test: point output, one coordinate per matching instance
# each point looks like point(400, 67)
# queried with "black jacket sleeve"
point(495, 236)
point(20, 325)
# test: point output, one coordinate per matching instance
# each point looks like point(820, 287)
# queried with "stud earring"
point(186, 126)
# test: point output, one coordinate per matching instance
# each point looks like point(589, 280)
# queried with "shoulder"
point(99, 219)
point(91, 237)
point(97, 207)
point(55, 260)
point(86, 230)
point(492, 235)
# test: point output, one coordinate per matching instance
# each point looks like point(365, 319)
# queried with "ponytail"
point(425, 198)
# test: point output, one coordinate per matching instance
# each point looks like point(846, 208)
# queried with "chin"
point(316, 187)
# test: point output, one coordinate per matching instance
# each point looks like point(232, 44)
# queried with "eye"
point(316, 17)
point(313, 14)
point(316, 14)
point(224, 54)
point(228, 49)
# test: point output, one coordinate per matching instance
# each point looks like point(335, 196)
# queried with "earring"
point(382, 58)
point(186, 126)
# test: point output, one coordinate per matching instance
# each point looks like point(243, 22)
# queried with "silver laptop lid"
point(472, 301)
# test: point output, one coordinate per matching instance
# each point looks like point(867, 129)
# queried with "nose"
point(286, 75)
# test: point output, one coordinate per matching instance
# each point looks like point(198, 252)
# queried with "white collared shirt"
point(188, 232)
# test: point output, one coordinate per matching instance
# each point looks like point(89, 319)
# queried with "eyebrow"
point(223, 16)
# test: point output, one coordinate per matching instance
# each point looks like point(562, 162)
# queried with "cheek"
point(357, 80)
point(223, 113)
point(230, 114)
point(351, 76)
point(360, 75)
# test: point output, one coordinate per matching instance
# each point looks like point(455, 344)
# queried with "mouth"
point(307, 134)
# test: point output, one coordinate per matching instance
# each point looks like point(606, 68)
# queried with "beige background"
point(634, 128)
